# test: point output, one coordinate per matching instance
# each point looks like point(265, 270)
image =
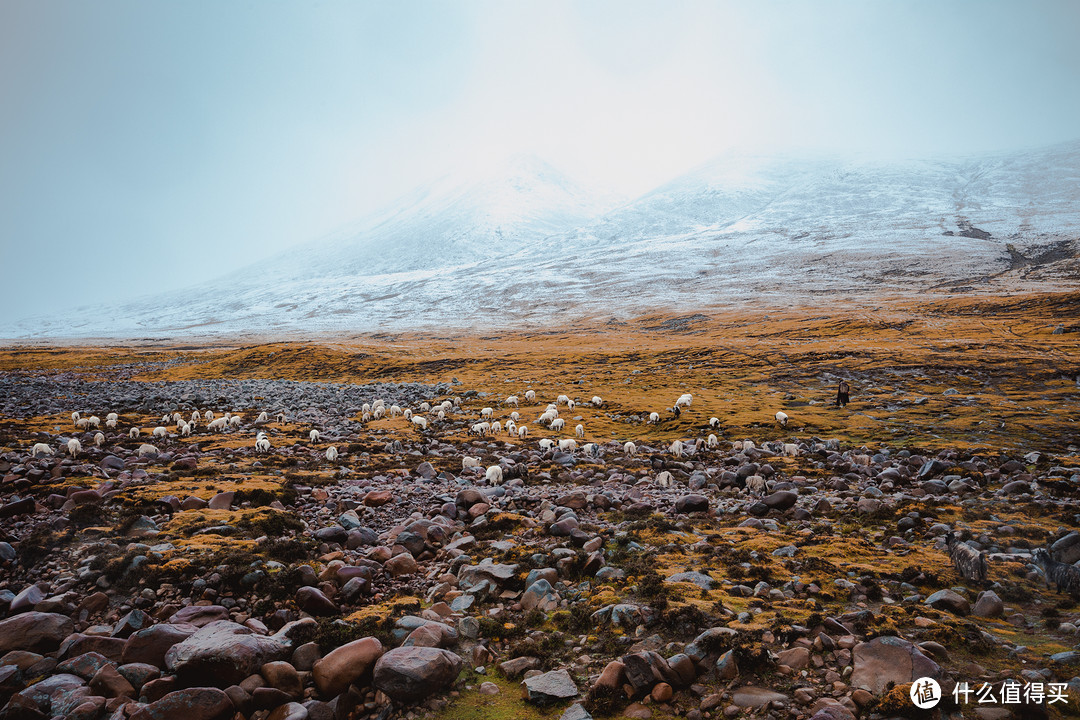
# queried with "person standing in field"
point(842, 391)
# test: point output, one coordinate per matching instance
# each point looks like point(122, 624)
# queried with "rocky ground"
point(205, 579)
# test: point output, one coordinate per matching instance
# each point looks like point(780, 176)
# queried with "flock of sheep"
point(425, 413)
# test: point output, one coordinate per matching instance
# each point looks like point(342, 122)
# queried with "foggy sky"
point(146, 146)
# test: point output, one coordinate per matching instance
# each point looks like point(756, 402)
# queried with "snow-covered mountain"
point(527, 245)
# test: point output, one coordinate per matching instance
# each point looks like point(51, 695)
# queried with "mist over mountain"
point(525, 244)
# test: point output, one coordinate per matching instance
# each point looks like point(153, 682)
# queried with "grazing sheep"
point(160, 432)
point(629, 448)
point(94, 421)
point(424, 407)
point(147, 449)
point(195, 417)
point(395, 410)
point(82, 423)
point(113, 417)
point(511, 427)
point(41, 449)
point(568, 445)
point(547, 417)
point(969, 562)
point(111, 422)
point(487, 412)
point(478, 429)
point(790, 450)
point(496, 427)
point(166, 418)
point(781, 417)
point(441, 415)
point(281, 418)
point(515, 416)
point(597, 401)
point(1066, 577)
point(74, 447)
point(407, 414)
point(570, 404)
point(665, 479)
point(530, 395)
point(262, 443)
point(331, 454)
point(468, 462)
point(677, 448)
point(366, 407)
point(580, 431)
point(263, 418)
point(185, 429)
point(714, 422)
point(420, 421)
point(234, 421)
point(75, 416)
point(654, 417)
point(208, 415)
point(494, 474)
point(512, 400)
point(755, 485)
point(99, 439)
point(366, 417)
point(546, 443)
point(313, 435)
point(562, 400)
point(523, 431)
point(712, 441)
point(177, 418)
point(133, 433)
point(684, 400)
point(378, 413)
point(218, 424)
point(558, 424)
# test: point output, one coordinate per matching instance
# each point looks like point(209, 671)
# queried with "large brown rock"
point(34, 631)
point(197, 703)
point(223, 653)
point(890, 659)
point(149, 645)
point(409, 674)
point(344, 665)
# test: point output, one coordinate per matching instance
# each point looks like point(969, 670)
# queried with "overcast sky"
point(145, 146)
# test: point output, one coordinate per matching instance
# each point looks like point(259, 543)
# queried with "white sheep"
point(262, 443)
point(147, 449)
point(366, 417)
point(562, 400)
point(113, 418)
point(629, 448)
point(94, 421)
point(160, 432)
point(208, 415)
point(313, 435)
point(99, 439)
point(478, 429)
point(111, 422)
point(523, 431)
point(580, 431)
point(487, 412)
point(790, 450)
point(195, 417)
point(546, 418)
point(546, 443)
point(263, 418)
point(558, 424)
point(379, 402)
point(177, 418)
point(570, 404)
point(424, 407)
point(218, 424)
point(781, 417)
point(74, 447)
point(75, 416)
point(530, 395)
point(378, 413)
point(41, 449)
point(591, 449)
point(677, 448)
point(395, 410)
point(515, 416)
point(331, 453)
point(511, 427)
point(512, 400)
point(568, 444)
point(755, 485)
point(166, 418)
point(133, 433)
point(420, 421)
point(468, 462)
point(235, 421)
point(407, 414)
point(185, 429)
point(684, 400)
point(82, 423)
point(281, 417)
point(654, 417)
point(496, 427)
point(713, 441)
point(597, 401)
point(366, 407)
point(714, 422)
point(665, 479)
point(494, 474)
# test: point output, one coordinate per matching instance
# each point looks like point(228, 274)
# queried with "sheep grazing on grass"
point(234, 421)
point(424, 407)
point(714, 422)
point(494, 474)
point(755, 485)
point(218, 424)
point(781, 417)
point(395, 410)
point(407, 414)
point(468, 462)
point(713, 441)
point(185, 429)
point(1066, 577)
point(580, 431)
point(487, 412)
point(177, 418)
point(110, 422)
point(562, 400)
point(546, 443)
point(99, 439)
point(591, 449)
point(512, 400)
point(147, 449)
point(160, 432)
point(94, 421)
point(195, 417)
point(523, 431)
point(547, 417)
point(281, 418)
point(558, 424)
point(41, 450)
point(629, 449)
point(262, 443)
point(378, 413)
point(654, 417)
point(263, 418)
point(420, 421)
point(134, 433)
point(790, 450)
point(515, 416)
point(82, 423)
point(496, 427)
point(597, 401)
point(677, 448)
point(568, 445)
point(478, 429)
point(75, 416)
point(74, 447)
point(511, 427)
point(331, 453)
point(113, 418)
point(208, 415)
point(685, 400)
point(530, 395)
point(969, 562)
point(665, 479)
point(313, 435)
point(570, 404)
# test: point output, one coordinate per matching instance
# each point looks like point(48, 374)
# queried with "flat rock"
point(550, 687)
point(890, 659)
point(34, 631)
point(223, 653)
point(196, 703)
point(409, 674)
point(752, 697)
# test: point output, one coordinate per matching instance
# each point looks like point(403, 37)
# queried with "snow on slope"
point(526, 245)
